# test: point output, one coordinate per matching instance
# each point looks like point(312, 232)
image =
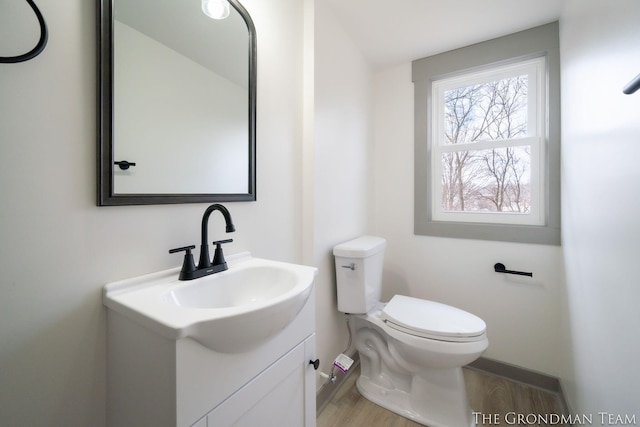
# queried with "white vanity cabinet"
point(282, 395)
point(156, 381)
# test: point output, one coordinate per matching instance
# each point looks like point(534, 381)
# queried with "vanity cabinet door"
point(282, 395)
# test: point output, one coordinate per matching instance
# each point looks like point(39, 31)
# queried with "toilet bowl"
point(411, 350)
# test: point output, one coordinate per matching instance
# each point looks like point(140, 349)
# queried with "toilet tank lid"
point(361, 247)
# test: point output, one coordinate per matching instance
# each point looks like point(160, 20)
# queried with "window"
point(487, 140)
point(488, 145)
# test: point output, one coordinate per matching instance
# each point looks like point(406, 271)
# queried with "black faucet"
point(205, 266)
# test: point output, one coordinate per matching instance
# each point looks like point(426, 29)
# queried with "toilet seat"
point(429, 319)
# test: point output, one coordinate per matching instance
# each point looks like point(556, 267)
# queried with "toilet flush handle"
point(350, 267)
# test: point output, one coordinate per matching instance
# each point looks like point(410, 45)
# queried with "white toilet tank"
point(359, 273)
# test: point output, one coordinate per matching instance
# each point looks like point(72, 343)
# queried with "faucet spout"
point(205, 261)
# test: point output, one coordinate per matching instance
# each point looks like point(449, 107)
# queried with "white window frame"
point(535, 70)
point(538, 42)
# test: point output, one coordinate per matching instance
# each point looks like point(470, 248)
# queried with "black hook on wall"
point(632, 86)
point(38, 48)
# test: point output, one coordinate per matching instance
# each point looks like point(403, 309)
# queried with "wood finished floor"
point(488, 394)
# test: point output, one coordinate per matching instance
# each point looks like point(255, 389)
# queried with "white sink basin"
point(238, 287)
point(232, 311)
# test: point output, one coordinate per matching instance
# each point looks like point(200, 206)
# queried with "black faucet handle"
point(188, 266)
point(220, 242)
point(185, 248)
point(218, 256)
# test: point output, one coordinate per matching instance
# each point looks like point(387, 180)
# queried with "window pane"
point(494, 110)
point(494, 180)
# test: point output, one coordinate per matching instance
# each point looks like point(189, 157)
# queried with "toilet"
point(411, 350)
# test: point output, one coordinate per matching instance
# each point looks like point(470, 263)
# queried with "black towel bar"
point(124, 165)
point(500, 268)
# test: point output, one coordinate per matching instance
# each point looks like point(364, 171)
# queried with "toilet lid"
point(432, 320)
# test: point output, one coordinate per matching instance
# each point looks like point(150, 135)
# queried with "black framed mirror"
point(177, 103)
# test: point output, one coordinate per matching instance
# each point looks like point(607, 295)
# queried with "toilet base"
point(432, 406)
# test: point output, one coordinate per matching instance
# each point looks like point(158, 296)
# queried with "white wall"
point(601, 231)
point(57, 249)
point(341, 153)
point(521, 313)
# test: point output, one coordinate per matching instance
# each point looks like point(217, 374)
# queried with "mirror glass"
point(177, 103)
